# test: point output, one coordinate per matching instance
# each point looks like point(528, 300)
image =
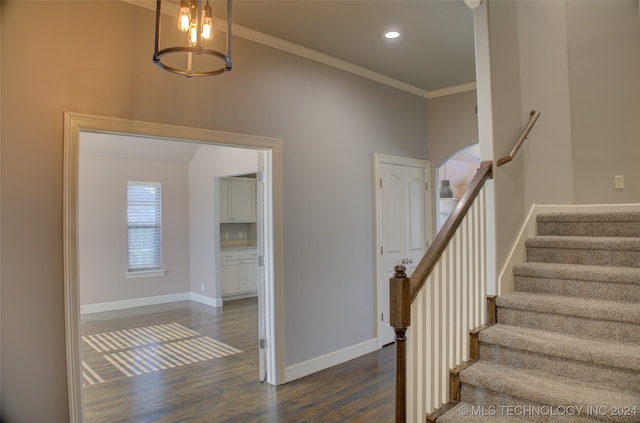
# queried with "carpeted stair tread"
point(548, 390)
point(464, 412)
point(563, 345)
point(579, 272)
point(595, 309)
point(565, 217)
point(584, 243)
point(601, 251)
point(578, 280)
point(619, 224)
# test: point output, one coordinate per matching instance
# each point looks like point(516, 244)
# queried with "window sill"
point(145, 273)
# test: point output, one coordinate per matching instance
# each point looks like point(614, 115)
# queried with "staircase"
point(566, 345)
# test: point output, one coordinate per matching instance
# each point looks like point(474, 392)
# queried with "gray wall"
point(207, 164)
point(452, 124)
point(103, 234)
point(603, 48)
point(547, 153)
point(95, 57)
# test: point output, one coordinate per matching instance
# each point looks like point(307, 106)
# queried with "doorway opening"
point(184, 142)
point(453, 175)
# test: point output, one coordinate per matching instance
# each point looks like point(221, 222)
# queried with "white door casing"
point(261, 227)
point(74, 124)
point(402, 225)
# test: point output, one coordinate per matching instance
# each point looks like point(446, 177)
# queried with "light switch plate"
point(618, 181)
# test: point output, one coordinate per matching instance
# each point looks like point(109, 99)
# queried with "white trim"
point(231, 297)
point(322, 362)
point(400, 161)
point(469, 86)
point(203, 299)
point(134, 274)
point(147, 301)
point(518, 253)
point(134, 302)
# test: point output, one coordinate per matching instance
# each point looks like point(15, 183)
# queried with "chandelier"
point(187, 46)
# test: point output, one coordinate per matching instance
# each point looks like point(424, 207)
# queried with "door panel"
point(416, 216)
point(392, 235)
point(392, 211)
point(402, 230)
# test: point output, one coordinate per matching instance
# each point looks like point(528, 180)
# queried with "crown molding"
point(469, 86)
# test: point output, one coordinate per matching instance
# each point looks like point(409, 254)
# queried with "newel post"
point(400, 319)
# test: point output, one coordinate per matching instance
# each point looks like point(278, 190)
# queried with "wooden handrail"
point(431, 257)
point(533, 117)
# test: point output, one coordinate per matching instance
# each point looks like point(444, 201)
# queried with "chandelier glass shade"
point(188, 46)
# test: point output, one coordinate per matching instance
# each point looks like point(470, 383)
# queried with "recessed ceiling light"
point(391, 34)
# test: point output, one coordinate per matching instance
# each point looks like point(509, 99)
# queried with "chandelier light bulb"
point(193, 34)
point(184, 17)
point(207, 22)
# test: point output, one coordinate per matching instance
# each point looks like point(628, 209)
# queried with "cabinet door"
point(225, 200)
point(243, 201)
point(230, 277)
point(250, 275)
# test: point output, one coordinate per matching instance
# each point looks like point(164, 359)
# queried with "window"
point(144, 227)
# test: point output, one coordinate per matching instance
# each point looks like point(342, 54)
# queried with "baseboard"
point(240, 296)
point(328, 360)
point(147, 301)
point(203, 299)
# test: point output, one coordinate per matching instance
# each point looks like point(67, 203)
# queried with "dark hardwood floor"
point(126, 382)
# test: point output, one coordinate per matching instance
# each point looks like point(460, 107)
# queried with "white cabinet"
point(239, 272)
point(237, 200)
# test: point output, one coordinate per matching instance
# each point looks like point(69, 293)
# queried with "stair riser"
point(613, 377)
point(574, 288)
point(600, 229)
point(584, 256)
point(492, 400)
point(578, 326)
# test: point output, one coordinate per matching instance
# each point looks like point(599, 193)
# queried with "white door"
point(402, 232)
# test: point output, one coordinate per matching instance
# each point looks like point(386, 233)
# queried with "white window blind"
point(144, 224)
